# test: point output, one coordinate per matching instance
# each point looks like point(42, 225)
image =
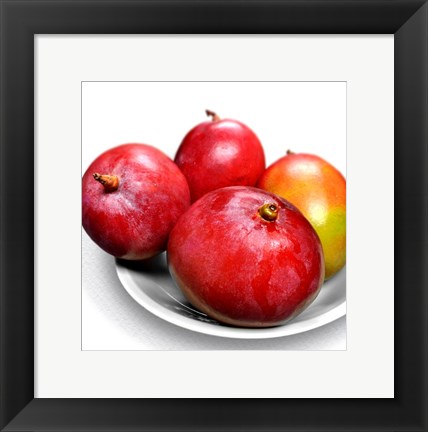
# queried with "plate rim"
point(130, 286)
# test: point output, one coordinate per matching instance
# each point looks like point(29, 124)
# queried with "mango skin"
point(318, 190)
point(220, 153)
point(241, 269)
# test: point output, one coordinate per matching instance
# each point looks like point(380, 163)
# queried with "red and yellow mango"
point(318, 190)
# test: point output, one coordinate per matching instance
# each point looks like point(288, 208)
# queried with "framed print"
point(63, 369)
point(113, 111)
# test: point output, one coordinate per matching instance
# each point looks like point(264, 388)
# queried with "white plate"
point(150, 284)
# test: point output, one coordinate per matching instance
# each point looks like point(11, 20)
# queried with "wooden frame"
point(20, 21)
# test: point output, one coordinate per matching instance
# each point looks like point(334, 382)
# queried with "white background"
point(366, 63)
point(301, 116)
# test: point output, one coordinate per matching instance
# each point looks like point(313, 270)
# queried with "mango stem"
point(213, 115)
point(269, 212)
point(110, 182)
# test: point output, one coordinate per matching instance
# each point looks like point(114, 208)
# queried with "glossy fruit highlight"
point(132, 195)
point(246, 257)
point(220, 153)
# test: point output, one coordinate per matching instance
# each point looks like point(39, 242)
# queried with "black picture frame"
point(20, 21)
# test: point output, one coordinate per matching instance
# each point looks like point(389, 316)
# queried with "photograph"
point(213, 215)
point(215, 208)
